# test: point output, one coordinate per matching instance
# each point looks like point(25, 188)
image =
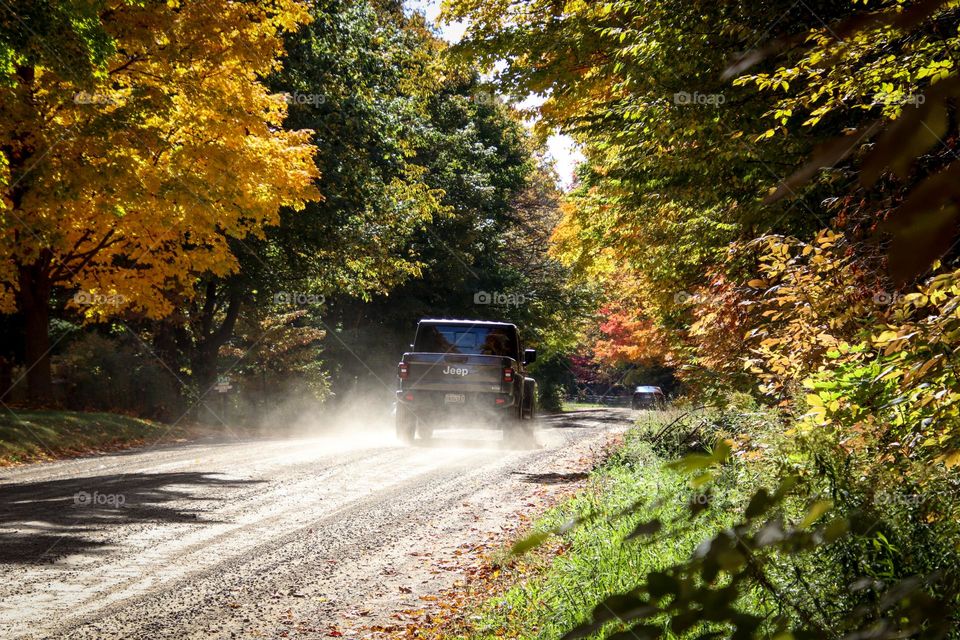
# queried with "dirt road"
point(297, 537)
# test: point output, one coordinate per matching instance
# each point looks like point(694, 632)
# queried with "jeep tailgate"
point(455, 372)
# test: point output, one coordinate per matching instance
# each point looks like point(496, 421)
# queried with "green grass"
point(27, 436)
point(560, 583)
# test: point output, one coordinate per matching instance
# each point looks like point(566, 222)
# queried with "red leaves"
point(628, 338)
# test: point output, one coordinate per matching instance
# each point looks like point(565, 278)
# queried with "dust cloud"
point(364, 417)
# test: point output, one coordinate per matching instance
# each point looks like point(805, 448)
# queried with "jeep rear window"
point(466, 339)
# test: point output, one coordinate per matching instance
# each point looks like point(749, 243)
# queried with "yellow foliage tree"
point(120, 186)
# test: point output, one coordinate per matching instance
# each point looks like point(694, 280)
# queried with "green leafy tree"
point(359, 76)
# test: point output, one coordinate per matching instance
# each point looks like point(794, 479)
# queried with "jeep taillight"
point(403, 372)
point(508, 374)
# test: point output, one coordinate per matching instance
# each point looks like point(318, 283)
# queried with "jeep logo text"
point(456, 371)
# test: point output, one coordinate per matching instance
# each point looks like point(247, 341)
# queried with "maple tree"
point(499, 204)
point(359, 76)
point(127, 168)
point(819, 292)
point(674, 184)
point(887, 72)
point(430, 185)
point(419, 166)
point(670, 179)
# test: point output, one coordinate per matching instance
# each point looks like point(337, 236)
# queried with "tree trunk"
point(204, 366)
point(33, 280)
point(208, 337)
point(6, 377)
point(169, 338)
point(33, 302)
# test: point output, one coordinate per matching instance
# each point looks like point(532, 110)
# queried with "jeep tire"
point(406, 424)
point(516, 429)
point(424, 430)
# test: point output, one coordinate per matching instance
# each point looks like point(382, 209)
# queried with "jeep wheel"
point(516, 431)
point(530, 412)
point(424, 430)
point(406, 424)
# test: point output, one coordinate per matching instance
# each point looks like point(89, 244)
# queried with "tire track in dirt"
point(298, 540)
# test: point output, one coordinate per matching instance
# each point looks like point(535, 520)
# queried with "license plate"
point(454, 398)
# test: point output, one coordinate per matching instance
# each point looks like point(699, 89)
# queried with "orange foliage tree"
point(125, 174)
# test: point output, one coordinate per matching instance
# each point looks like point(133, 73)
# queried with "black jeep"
point(464, 368)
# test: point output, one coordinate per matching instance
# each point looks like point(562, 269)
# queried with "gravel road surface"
point(303, 537)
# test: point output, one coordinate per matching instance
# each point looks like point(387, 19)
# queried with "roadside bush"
point(904, 523)
point(114, 374)
point(688, 427)
point(554, 379)
point(775, 535)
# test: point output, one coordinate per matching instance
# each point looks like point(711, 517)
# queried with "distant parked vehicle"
point(648, 398)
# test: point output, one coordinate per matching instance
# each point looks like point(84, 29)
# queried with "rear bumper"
point(474, 402)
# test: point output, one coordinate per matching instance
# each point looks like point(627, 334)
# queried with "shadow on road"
point(582, 418)
point(552, 478)
point(42, 521)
